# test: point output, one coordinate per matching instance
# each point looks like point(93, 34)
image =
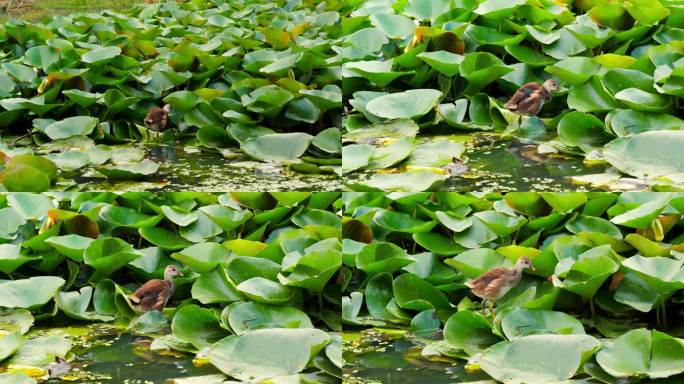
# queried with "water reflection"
point(378, 356)
point(188, 168)
point(112, 357)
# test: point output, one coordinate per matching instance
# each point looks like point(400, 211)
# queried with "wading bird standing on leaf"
point(154, 294)
point(530, 98)
point(493, 284)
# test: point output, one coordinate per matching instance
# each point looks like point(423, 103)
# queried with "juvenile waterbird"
point(493, 284)
point(157, 118)
point(153, 295)
point(530, 98)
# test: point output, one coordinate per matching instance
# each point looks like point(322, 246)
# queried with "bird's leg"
point(491, 309)
point(484, 314)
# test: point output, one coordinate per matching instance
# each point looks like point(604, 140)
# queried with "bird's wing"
point(521, 94)
point(148, 291)
point(494, 289)
point(481, 283)
point(532, 104)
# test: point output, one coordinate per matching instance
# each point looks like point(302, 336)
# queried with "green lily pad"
point(585, 275)
point(71, 126)
point(247, 316)
point(641, 352)
point(523, 321)
point(41, 351)
point(404, 105)
point(574, 70)
point(394, 26)
point(665, 275)
point(265, 291)
point(101, 55)
point(480, 69)
point(469, 331)
point(517, 361)
point(72, 246)
point(412, 292)
point(197, 326)
point(382, 257)
point(640, 100)
point(11, 259)
point(202, 257)
point(130, 171)
point(19, 320)
point(278, 147)
point(214, 287)
point(108, 254)
point(259, 355)
point(445, 62)
point(30, 293)
point(582, 130)
point(75, 304)
point(9, 343)
point(644, 155)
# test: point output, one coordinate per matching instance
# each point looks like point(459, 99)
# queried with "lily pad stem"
point(663, 313)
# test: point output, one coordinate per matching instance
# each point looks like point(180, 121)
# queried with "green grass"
point(84, 4)
point(36, 9)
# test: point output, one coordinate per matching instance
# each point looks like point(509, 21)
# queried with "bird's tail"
point(469, 283)
point(134, 299)
point(511, 106)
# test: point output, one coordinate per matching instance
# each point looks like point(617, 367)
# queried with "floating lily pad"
point(259, 355)
point(30, 293)
point(405, 105)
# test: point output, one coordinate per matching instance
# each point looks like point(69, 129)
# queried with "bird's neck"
point(168, 276)
point(519, 268)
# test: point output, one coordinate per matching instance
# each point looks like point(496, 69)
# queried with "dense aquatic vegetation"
point(259, 298)
point(602, 304)
point(417, 72)
point(245, 80)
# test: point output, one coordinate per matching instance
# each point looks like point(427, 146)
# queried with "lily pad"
point(517, 361)
point(259, 355)
point(30, 293)
point(642, 352)
point(405, 105)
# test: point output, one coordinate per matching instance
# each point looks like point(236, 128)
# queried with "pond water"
point(513, 165)
point(384, 356)
point(517, 166)
point(106, 354)
point(188, 168)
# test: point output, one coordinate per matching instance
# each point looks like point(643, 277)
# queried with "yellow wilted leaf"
point(276, 38)
point(300, 28)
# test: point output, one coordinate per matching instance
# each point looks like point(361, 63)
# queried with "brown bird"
point(157, 118)
point(530, 98)
point(154, 294)
point(491, 285)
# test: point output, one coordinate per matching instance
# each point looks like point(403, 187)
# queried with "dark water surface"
point(188, 168)
point(494, 164)
point(106, 355)
point(393, 357)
